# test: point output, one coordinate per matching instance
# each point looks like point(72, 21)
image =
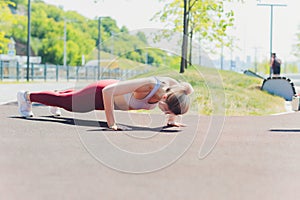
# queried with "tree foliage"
point(207, 18)
point(47, 32)
point(6, 22)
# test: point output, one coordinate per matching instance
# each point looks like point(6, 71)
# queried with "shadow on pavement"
point(286, 130)
point(101, 125)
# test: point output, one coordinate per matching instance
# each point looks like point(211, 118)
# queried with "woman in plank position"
point(172, 98)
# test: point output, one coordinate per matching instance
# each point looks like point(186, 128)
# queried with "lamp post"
point(28, 40)
point(271, 20)
point(99, 43)
point(65, 42)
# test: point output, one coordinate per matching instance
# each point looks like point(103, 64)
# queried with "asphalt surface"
point(75, 157)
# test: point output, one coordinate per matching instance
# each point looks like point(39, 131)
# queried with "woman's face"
point(164, 107)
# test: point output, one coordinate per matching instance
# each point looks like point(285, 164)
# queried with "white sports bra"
point(142, 103)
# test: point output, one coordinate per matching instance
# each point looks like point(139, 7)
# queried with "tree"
point(142, 37)
point(206, 17)
point(47, 34)
point(184, 47)
point(17, 2)
point(6, 21)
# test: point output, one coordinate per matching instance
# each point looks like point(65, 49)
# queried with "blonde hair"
point(178, 99)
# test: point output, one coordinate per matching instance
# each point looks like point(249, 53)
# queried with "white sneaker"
point(25, 106)
point(55, 111)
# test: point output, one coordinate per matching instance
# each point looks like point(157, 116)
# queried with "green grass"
point(227, 93)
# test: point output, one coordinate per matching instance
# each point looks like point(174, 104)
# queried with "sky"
point(252, 24)
point(253, 27)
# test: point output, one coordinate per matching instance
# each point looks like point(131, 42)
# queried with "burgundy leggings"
point(84, 100)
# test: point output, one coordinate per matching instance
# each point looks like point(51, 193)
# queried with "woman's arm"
point(172, 121)
point(108, 102)
point(119, 88)
point(271, 61)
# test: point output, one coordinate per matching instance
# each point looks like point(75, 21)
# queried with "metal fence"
point(15, 71)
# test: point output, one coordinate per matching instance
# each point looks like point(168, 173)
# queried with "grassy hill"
point(219, 92)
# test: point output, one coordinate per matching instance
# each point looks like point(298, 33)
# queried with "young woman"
point(171, 97)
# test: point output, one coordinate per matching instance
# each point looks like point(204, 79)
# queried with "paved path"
point(74, 157)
